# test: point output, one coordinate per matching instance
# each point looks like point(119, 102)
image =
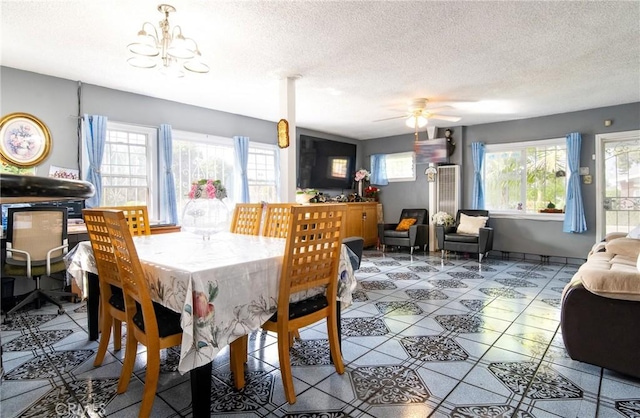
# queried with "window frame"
point(153, 204)
point(399, 155)
point(276, 155)
point(517, 146)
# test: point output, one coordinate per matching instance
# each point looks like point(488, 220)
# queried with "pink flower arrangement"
point(362, 174)
point(207, 189)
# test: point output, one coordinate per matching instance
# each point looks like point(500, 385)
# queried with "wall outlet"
point(587, 179)
point(584, 171)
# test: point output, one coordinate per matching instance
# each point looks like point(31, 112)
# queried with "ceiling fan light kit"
point(172, 51)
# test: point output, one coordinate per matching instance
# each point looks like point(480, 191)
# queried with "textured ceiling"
point(359, 61)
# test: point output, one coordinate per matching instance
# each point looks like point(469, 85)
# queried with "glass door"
point(618, 191)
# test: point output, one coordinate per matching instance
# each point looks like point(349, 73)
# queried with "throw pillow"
point(628, 247)
point(405, 224)
point(470, 225)
point(634, 233)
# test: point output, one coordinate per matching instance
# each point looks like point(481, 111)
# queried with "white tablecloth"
point(224, 287)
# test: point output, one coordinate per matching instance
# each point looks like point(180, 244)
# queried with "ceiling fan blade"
point(438, 109)
point(443, 117)
point(395, 117)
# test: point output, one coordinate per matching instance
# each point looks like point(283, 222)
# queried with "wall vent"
point(448, 191)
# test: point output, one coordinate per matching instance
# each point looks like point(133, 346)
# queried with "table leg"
point(201, 390)
point(238, 354)
point(93, 303)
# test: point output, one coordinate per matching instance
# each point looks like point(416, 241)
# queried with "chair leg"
point(285, 368)
point(46, 296)
point(117, 334)
point(104, 339)
point(150, 382)
point(334, 343)
point(30, 297)
point(411, 250)
point(480, 257)
point(383, 247)
point(238, 350)
point(131, 346)
point(442, 254)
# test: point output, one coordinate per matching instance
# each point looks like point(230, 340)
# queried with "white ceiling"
point(360, 60)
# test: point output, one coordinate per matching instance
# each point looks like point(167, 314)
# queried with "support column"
point(433, 207)
point(288, 164)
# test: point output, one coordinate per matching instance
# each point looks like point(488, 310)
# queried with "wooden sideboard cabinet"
point(362, 221)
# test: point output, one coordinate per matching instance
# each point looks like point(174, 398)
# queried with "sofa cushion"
point(405, 224)
point(471, 225)
point(628, 247)
point(610, 275)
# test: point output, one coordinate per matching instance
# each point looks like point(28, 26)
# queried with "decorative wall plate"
point(283, 133)
point(24, 140)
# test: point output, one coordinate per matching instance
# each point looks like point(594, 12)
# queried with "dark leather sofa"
point(600, 330)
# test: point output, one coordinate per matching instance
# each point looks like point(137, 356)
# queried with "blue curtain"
point(379, 170)
point(95, 136)
point(574, 220)
point(241, 146)
point(168, 201)
point(477, 155)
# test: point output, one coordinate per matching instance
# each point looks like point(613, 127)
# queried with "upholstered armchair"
point(470, 234)
point(412, 230)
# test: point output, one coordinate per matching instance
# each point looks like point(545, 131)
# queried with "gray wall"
point(55, 102)
point(517, 235)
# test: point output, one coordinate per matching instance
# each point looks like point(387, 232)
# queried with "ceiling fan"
point(418, 114)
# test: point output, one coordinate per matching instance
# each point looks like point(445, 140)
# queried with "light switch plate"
point(584, 171)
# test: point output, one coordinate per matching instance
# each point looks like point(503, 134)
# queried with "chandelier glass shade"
point(171, 51)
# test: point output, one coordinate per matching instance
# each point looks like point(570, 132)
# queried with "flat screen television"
point(431, 151)
point(325, 164)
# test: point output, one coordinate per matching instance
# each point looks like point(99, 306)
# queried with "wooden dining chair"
point(311, 259)
point(276, 220)
point(148, 323)
point(112, 313)
point(247, 218)
point(137, 218)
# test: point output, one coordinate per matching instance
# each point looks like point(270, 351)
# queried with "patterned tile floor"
point(424, 338)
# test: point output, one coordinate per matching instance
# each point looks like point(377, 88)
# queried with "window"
point(128, 166)
point(401, 166)
point(262, 172)
point(525, 177)
point(199, 156)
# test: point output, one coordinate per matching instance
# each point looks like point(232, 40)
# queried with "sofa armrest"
point(485, 240)
point(382, 228)
point(419, 234)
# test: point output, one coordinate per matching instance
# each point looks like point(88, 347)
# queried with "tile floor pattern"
point(423, 338)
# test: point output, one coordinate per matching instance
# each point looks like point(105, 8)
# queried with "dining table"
point(225, 286)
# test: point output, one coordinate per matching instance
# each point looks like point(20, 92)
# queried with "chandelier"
point(172, 51)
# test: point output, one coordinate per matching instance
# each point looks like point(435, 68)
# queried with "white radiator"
point(448, 189)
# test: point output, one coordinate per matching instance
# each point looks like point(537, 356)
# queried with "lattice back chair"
point(311, 260)
point(276, 220)
point(35, 246)
point(112, 311)
point(148, 323)
point(247, 218)
point(137, 218)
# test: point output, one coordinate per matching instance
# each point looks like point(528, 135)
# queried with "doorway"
point(618, 186)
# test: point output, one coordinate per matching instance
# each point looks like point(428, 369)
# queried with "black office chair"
point(36, 244)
